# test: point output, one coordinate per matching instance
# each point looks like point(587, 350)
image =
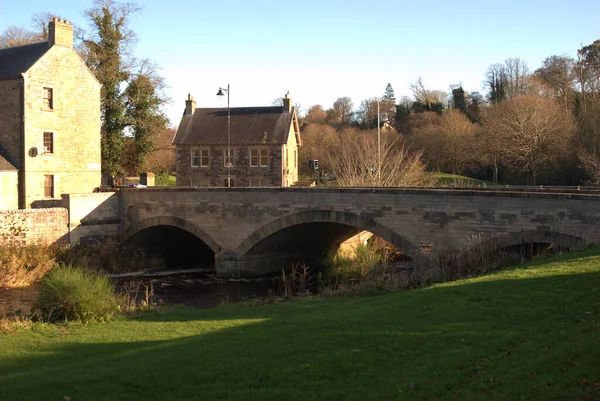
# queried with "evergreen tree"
point(458, 99)
point(389, 93)
point(105, 58)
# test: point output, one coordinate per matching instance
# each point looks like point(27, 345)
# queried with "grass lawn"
point(530, 333)
point(461, 180)
point(171, 180)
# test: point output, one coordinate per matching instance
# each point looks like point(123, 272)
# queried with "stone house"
point(49, 120)
point(263, 146)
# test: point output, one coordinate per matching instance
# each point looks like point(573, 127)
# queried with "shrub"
point(21, 266)
point(73, 294)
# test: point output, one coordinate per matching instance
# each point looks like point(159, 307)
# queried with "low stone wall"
point(93, 217)
point(34, 226)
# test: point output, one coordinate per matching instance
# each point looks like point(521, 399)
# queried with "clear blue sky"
point(321, 50)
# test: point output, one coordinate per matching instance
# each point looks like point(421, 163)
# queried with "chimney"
point(288, 103)
point(60, 33)
point(190, 106)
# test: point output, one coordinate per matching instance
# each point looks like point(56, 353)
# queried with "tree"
point(143, 101)
point(316, 115)
point(534, 133)
point(588, 73)
point(389, 94)
point(496, 81)
point(475, 104)
point(557, 76)
point(517, 77)
point(356, 163)
point(108, 50)
point(318, 140)
point(426, 99)
point(459, 98)
point(17, 36)
point(162, 157)
point(341, 112)
point(447, 141)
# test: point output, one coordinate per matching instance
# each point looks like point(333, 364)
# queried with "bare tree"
point(318, 140)
point(316, 115)
point(447, 141)
point(533, 131)
point(17, 36)
point(517, 77)
point(557, 76)
point(341, 112)
point(360, 162)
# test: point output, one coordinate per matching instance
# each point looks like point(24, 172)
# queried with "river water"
point(194, 287)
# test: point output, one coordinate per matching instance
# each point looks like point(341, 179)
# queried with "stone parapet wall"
point(93, 217)
point(34, 226)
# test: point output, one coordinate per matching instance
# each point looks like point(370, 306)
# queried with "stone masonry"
point(236, 222)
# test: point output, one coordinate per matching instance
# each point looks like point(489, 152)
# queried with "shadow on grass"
point(533, 337)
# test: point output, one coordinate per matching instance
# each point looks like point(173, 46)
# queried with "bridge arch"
point(173, 222)
point(324, 216)
point(506, 240)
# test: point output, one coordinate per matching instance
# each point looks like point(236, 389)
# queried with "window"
point(259, 182)
point(48, 142)
point(225, 182)
point(259, 157)
point(200, 183)
point(199, 157)
point(49, 186)
point(48, 99)
point(204, 159)
point(195, 155)
point(295, 158)
point(228, 161)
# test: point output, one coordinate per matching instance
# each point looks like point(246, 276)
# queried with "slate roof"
point(249, 125)
point(16, 60)
point(5, 163)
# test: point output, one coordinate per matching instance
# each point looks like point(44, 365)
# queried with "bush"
point(21, 266)
point(73, 294)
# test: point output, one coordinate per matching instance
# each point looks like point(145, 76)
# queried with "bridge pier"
point(227, 264)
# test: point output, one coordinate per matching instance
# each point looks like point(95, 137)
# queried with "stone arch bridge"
point(255, 231)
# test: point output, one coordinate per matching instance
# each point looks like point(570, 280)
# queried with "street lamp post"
point(220, 93)
point(378, 146)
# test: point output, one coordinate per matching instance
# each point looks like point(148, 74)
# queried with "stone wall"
point(10, 118)
point(34, 226)
point(216, 173)
point(431, 222)
point(93, 217)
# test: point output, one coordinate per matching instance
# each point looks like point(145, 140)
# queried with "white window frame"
point(259, 154)
point(195, 154)
point(259, 182)
point(204, 159)
point(47, 151)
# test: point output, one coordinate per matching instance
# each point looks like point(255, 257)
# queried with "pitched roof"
point(5, 161)
point(16, 60)
point(249, 125)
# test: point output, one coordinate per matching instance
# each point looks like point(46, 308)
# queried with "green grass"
point(529, 333)
point(171, 180)
point(448, 178)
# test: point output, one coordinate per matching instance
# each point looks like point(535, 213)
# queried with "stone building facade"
point(49, 118)
point(263, 146)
